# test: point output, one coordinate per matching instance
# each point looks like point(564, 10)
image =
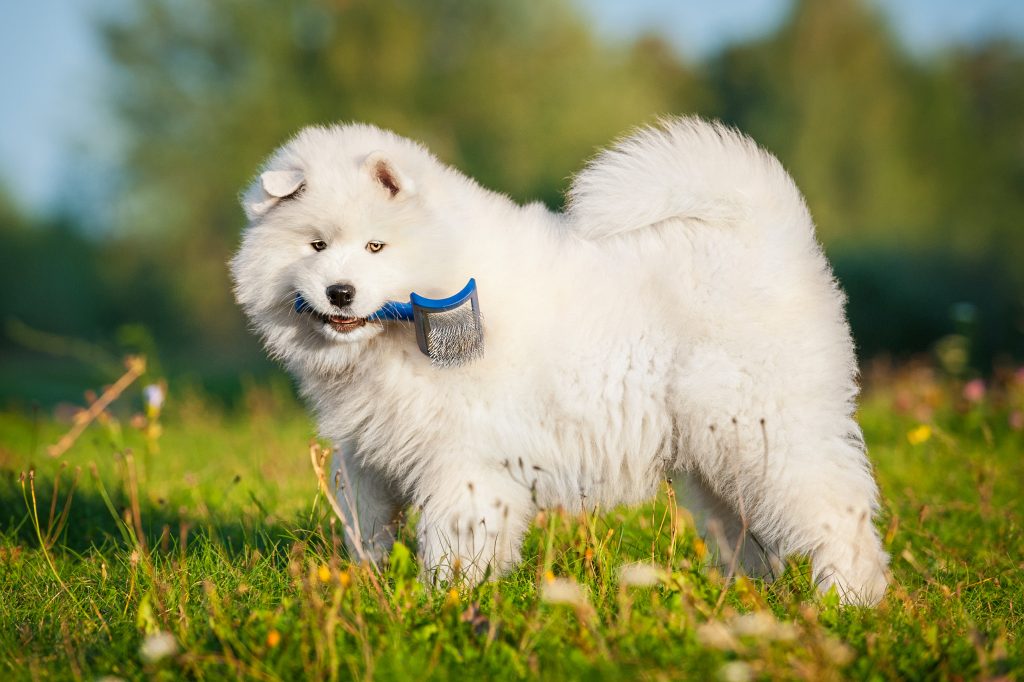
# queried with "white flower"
point(736, 671)
point(157, 646)
point(641, 575)
point(564, 591)
point(153, 395)
point(837, 651)
point(762, 625)
point(716, 634)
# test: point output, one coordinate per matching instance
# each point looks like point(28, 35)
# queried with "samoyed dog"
point(679, 321)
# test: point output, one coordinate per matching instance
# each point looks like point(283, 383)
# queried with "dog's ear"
point(385, 173)
point(269, 188)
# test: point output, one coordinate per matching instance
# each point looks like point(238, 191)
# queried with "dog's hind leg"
point(787, 464)
point(812, 495)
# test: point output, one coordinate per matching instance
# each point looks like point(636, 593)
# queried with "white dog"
point(679, 320)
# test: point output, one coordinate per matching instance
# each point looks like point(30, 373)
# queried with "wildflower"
point(345, 579)
point(1016, 420)
point(763, 625)
point(641, 575)
point(158, 646)
point(837, 651)
point(153, 395)
point(453, 597)
point(549, 577)
point(564, 591)
point(716, 634)
point(736, 671)
point(323, 573)
point(273, 638)
point(919, 435)
point(974, 391)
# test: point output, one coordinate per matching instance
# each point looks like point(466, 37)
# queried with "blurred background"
point(128, 129)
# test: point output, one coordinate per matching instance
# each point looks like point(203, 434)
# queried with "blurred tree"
point(10, 216)
point(828, 93)
point(516, 95)
point(913, 169)
point(888, 150)
point(970, 137)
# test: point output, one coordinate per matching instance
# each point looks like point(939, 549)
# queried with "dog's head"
point(346, 218)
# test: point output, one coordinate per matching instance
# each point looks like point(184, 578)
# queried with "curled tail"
point(684, 168)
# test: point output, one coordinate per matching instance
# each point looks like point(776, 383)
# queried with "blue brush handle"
point(392, 310)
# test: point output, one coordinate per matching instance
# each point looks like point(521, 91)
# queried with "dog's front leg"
point(369, 505)
point(472, 526)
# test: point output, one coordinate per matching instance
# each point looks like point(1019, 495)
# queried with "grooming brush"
point(448, 330)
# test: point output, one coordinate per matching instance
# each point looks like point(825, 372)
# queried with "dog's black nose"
point(341, 295)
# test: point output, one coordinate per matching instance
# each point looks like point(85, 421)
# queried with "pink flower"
point(1016, 420)
point(974, 391)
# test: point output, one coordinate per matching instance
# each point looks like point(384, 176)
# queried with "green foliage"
point(906, 300)
point(211, 557)
point(916, 162)
point(887, 150)
point(517, 98)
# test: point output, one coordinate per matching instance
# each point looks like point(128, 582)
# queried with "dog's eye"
point(318, 245)
point(374, 247)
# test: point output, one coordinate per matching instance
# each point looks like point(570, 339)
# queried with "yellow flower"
point(324, 574)
point(700, 548)
point(273, 638)
point(453, 597)
point(344, 578)
point(919, 435)
point(549, 576)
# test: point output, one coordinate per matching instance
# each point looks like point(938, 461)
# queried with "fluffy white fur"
point(680, 320)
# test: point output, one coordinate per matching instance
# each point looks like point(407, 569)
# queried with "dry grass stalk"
point(136, 367)
point(319, 456)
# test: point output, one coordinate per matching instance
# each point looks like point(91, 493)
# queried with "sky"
point(52, 67)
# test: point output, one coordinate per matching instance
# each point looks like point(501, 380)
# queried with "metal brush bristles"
point(453, 337)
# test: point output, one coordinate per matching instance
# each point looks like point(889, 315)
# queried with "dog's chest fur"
point(572, 435)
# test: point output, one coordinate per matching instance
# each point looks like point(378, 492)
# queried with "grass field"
point(192, 544)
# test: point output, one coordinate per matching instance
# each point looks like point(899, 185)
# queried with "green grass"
point(212, 532)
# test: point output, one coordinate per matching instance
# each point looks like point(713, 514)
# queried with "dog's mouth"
point(339, 323)
point(342, 324)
